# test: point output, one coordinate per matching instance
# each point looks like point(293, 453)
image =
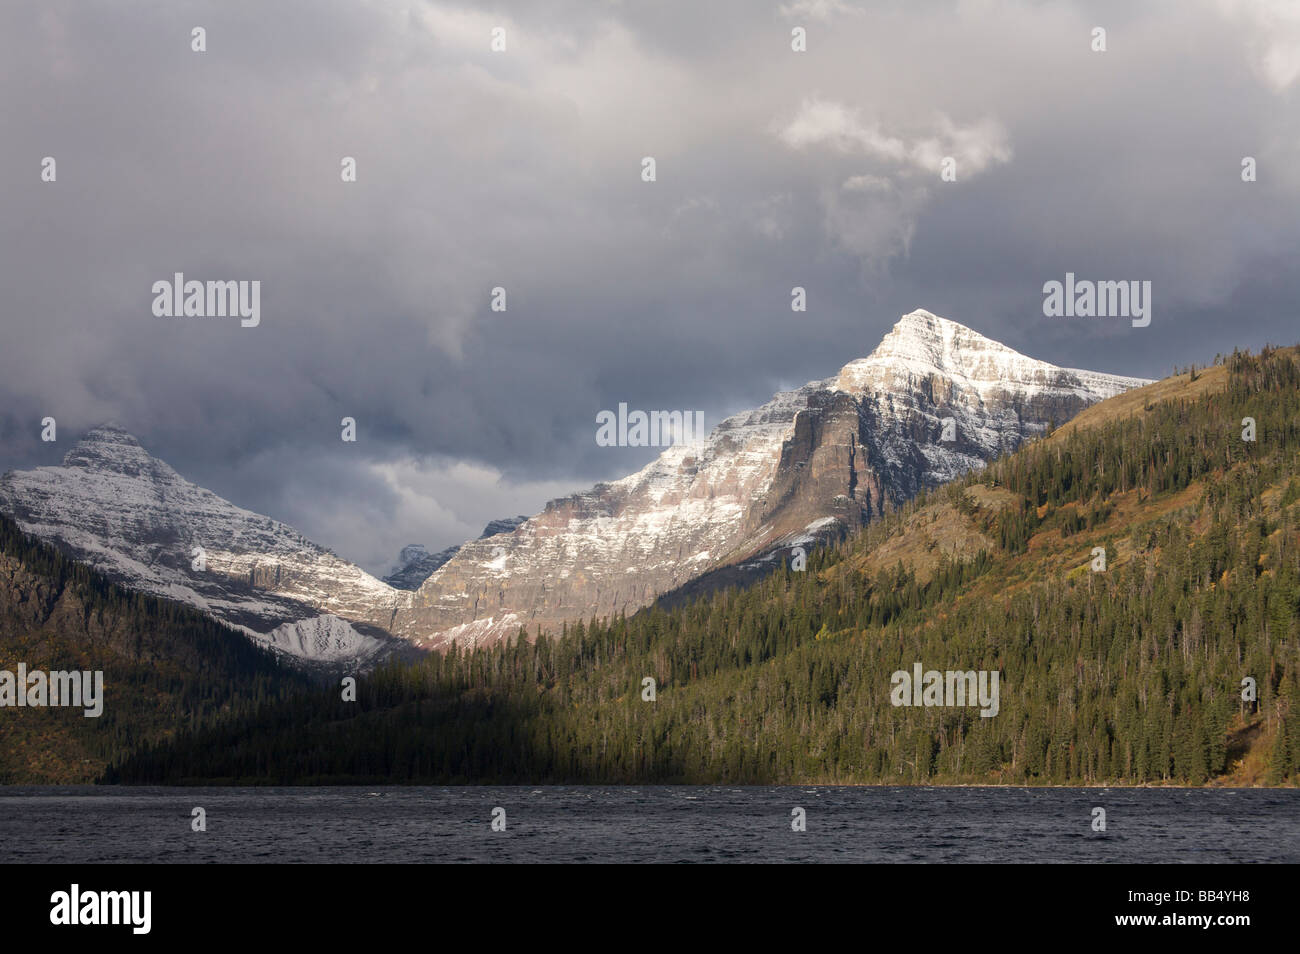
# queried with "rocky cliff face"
point(416, 564)
point(129, 515)
point(812, 462)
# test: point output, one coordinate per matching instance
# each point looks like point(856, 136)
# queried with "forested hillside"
point(166, 667)
point(1131, 674)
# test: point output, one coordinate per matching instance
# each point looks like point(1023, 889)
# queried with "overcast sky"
point(522, 169)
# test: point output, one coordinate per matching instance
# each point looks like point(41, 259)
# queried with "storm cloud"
point(522, 169)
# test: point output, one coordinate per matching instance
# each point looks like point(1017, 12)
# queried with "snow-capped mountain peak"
point(922, 344)
point(814, 461)
point(110, 448)
point(931, 402)
point(128, 514)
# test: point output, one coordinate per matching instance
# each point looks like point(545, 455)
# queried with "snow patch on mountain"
point(325, 638)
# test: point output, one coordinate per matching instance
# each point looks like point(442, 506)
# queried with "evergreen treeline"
point(166, 667)
point(1130, 675)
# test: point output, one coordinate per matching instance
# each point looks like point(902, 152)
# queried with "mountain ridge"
point(810, 464)
point(415, 563)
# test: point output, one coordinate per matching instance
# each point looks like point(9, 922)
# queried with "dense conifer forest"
point(1132, 674)
point(166, 667)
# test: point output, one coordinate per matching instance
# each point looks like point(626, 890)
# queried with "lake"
point(648, 824)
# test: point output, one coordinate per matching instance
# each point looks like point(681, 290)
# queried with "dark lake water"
point(648, 824)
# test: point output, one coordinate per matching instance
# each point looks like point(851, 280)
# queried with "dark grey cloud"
point(522, 169)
